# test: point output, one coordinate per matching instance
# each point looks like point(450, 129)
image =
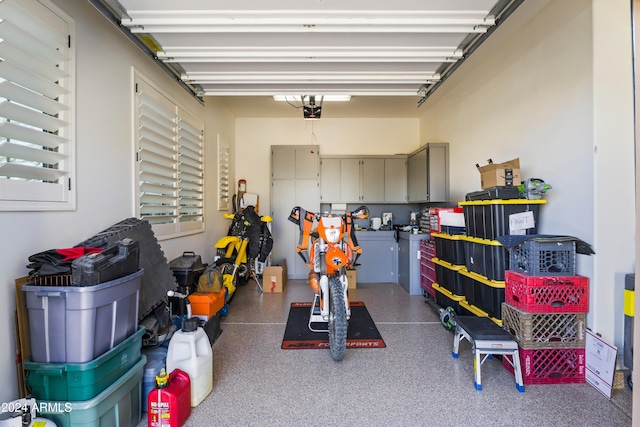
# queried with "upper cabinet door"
point(438, 177)
point(294, 162)
point(373, 179)
point(282, 161)
point(329, 180)
point(350, 180)
point(429, 173)
point(307, 162)
point(395, 180)
point(417, 175)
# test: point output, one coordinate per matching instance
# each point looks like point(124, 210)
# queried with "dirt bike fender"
point(226, 241)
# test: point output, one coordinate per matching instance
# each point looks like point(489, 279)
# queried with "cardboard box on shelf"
point(493, 174)
point(274, 278)
point(352, 278)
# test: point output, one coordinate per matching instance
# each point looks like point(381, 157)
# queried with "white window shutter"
point(170, 163)
point(190, 172)
point(36, 82)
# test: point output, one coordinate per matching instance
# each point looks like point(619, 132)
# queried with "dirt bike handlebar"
point(361, 213)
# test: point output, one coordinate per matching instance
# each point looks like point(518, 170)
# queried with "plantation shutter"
point(190, 172)
point(170, 164)
point(35, 108)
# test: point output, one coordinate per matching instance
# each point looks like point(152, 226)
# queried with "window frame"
point(173, 156)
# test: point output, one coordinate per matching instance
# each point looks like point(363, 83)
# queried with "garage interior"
point(549, 82)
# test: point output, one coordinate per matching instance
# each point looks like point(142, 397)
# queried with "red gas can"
point(169, 404)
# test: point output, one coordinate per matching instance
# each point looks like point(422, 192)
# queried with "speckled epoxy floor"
point(414, 381)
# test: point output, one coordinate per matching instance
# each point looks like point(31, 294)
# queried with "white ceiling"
point(388, 55)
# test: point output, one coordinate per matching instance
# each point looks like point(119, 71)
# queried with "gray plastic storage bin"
point(78, 324)
point(118, 406)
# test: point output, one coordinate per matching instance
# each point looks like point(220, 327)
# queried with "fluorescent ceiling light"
point(298, 98)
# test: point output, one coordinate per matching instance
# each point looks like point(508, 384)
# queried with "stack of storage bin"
point(545, 311)
point(449, 261)
point(483, 279)
point(86, 361)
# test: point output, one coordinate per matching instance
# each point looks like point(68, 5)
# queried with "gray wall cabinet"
point(428, 173)
point(358, 179)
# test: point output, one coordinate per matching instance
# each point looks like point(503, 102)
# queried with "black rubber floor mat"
point(362, 331)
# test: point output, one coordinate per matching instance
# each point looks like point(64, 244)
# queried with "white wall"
point(614, 166)
point(255, 136)
point(548, 87)
point(104, 162)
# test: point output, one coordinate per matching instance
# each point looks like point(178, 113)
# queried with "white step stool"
point(487, 339)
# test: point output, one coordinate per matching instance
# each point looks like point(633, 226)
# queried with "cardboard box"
point(352, 278)
point(274, 278)
point(493, 174)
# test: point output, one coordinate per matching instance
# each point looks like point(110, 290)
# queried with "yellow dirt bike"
point(333, 249)
point(242, 253)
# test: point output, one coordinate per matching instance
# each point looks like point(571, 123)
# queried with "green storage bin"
point(83, 381)
point(117, 406)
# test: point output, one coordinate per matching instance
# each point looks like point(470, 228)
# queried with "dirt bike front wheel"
point(241, 276)
point(337, 320)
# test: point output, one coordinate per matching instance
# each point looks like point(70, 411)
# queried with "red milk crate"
point(547, 294)
point(551, 365)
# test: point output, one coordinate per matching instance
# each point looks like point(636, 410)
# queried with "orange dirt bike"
point(333, 249)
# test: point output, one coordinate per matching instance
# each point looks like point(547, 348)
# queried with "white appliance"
point(376, 222)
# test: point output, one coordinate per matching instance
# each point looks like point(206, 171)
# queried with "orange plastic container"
point(206, 303)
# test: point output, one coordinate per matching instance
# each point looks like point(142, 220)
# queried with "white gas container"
point(190, 351)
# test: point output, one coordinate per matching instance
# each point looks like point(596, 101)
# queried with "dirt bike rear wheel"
point(337, 320)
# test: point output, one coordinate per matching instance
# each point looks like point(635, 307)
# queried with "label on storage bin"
point(520, 222)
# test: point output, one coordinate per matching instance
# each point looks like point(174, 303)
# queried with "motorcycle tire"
point(226, 267)
point(241, 277)
point(243, 274)
point(337, 320)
